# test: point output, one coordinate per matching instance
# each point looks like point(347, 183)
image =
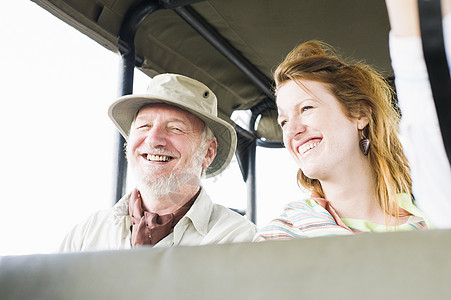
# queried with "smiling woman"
point(341, 129)
point(310, 116)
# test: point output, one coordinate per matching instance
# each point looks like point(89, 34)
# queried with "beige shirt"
point(205, 223)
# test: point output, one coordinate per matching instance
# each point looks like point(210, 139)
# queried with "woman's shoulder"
point(301, 218)
point(303, 205)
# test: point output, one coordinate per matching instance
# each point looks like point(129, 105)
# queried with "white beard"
point(177, 182)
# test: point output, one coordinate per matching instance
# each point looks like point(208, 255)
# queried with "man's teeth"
point(305, 148)
point(160, 158)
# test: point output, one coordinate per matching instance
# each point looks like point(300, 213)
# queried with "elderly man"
point(173, 137)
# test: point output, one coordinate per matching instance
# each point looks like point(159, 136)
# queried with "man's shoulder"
point(101, 230)
point(227, 225)
point(222, 214)
point(97, 219)
point(104, 219)
point(221, 210)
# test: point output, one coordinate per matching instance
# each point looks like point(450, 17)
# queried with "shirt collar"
point(328, 206)
point(200, 212)
point(405, 202)
point(121, 207)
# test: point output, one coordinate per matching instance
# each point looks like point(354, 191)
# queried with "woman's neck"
point(352, 193)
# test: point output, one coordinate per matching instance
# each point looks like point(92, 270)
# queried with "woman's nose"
point(293, 129)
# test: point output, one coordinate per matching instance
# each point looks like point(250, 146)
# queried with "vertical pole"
point(132, 20)
point(127, 69)
point(430, 13)
point(251, 209)
point(121, 168)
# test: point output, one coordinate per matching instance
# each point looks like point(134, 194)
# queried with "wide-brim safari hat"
point(189, 95)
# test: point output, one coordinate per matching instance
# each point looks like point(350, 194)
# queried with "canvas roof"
point(262, 31)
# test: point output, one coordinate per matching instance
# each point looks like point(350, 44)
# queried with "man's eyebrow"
point(177, 120)
point(141, 118)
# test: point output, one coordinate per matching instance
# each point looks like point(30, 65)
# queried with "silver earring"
point(364, 143)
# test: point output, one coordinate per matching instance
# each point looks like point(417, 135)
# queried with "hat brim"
point(123, 111)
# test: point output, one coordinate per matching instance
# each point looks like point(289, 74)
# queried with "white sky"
point(56, 155)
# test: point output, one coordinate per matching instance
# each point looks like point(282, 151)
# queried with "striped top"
point(316, 218)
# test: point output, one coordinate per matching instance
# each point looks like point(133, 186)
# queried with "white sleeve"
point(420, 131)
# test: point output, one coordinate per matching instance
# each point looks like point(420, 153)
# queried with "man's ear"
point(211, 154)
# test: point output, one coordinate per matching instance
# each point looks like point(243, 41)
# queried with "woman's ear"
point(362, 122)
point(363, 119)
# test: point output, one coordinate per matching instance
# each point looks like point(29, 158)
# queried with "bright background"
point(56, 154)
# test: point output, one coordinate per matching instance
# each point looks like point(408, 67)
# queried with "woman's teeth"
point(307, 147)
point(158, 158)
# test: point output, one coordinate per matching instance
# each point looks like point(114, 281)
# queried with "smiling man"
point(173, 138)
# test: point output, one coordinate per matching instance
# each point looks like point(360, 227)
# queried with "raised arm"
point(423, 144)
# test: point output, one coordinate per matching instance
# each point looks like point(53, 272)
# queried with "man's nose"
point(156, 137)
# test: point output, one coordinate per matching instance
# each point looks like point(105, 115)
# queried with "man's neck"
point(168, 203)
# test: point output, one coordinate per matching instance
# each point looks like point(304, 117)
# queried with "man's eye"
point(143, 126)
point(176, 129)
point(305, 108)
point(283, 123)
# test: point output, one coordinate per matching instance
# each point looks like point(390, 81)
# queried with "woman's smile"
point(306, 147)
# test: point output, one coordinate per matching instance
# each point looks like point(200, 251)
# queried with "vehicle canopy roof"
point(260, 32)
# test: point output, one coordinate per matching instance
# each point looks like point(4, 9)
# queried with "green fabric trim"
point(405, 202)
